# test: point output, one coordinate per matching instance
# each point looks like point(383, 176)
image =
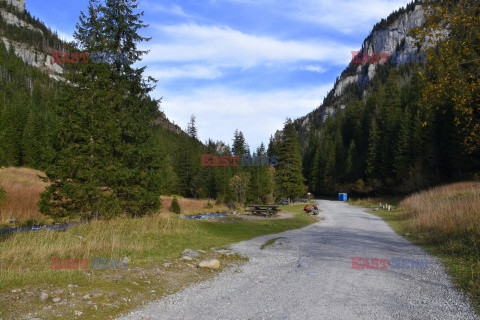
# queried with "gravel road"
point(308, 275)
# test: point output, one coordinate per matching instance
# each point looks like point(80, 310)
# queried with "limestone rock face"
point(28, 53)
point(34, 58)
point(387, 40)
point(18, 4)
point(10, 18)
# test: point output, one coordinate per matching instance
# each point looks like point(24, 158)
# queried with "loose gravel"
point(308, 275)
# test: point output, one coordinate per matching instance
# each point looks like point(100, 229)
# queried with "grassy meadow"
point(152, 245)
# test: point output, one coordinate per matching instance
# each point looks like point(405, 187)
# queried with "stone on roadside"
point(86, 297)
point(16, 290)
point(56, 300)
point(210, 264)
point(43, 296)
point(187, 258)
point(78, 313)
point(191, 253)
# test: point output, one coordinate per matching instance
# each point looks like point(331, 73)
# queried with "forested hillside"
point(48, 124)
point(403, 126)
point(394, 127)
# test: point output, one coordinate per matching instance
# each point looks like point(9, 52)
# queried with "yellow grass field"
point(453, 209)
point(23, 188)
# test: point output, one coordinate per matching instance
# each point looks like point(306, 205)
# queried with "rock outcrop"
point(34, 58)
point(390, 38)
point(28, 53)
point(18, 4)
point(10, 18)
point(393, 40)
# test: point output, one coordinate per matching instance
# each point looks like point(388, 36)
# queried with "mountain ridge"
point(388, 39)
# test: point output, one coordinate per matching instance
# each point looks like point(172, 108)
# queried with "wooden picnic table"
point(263, 209)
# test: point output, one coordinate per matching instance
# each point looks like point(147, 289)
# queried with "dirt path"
point(308, 274)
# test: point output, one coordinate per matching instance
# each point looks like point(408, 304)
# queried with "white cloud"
point(220, 110)
point(313, 68)
point(347, 15)
point(183, 72)
point(223, 46)
point(157, 7)
point(343, 15)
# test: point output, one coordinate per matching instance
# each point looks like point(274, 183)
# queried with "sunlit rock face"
point(19, 4)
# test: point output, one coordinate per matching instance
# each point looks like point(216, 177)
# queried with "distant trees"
point(418, 125)
point(406, 135)
point(26, 96)
point(239, 184)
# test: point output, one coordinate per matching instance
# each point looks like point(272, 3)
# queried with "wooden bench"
point(266, 210)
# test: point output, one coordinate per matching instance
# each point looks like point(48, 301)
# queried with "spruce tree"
point(351, 163)
point(188, 162)
point(175, 206)
point(106, 161)
point(289, 181)
point(317, 172)
point(239, 146)
point(373, 150)
point(192, 128)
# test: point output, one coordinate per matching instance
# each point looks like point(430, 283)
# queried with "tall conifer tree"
point(106, 161)
point(288, 178)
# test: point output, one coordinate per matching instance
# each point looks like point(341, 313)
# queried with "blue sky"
point(241, 64)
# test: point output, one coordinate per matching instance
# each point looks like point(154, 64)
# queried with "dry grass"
point(23, 188)
point(25, 257)
point(192, 206)
point(111, 239)
point(450, 209)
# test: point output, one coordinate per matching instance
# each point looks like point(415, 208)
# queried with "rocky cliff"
point(30, 54)
point(19, 5)
point(390, 37)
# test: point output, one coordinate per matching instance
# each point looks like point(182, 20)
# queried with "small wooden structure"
point(266, 210)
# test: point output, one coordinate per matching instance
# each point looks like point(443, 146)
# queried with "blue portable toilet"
point(342, 197)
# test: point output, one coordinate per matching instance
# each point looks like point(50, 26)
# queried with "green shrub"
point(175, 206)
point(3, 194)
point(209, 205)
